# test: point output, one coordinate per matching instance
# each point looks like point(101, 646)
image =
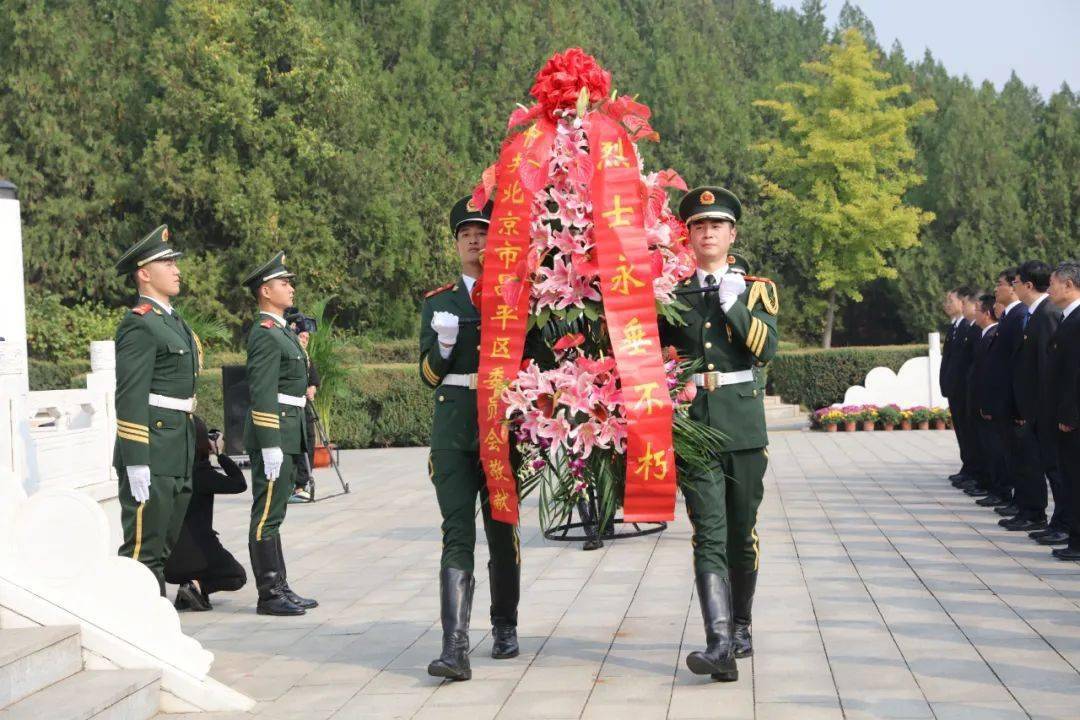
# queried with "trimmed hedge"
point(386, 405)
point(814, 378)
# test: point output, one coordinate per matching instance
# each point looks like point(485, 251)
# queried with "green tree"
point(836, 173)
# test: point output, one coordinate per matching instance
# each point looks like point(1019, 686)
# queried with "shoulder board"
point(755, 278)
point(438, 290)
point(142, 309)
point(268, 324)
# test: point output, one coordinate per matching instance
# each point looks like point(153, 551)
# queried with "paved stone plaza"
point(884, 593)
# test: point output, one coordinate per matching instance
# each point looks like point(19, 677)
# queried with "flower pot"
point(939, 424)
point(905, 424)
point(868, 425)
point(830, 428)
point(849, 426)
point(924, 425)
point(887, 427)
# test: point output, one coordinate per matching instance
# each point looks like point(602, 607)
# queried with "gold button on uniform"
point(159, 424)
point(282, 413)
point(441, 398)
point(708, 325)
point(708, 345)
point(711, 366)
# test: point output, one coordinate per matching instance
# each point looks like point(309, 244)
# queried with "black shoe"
point(990, 500)
point(743, 583)
point(190, 599)
point(718, 659)
point(1010, 510)
point(590, 525)
point(1036, 534)
point(977, 492)
point(956, 476)
point(1022, 524)
point(264, 566)
point(1054, 537)
point(504, 580)
point(455, 597)
point(306, 603)
point(1066, 553)
point(969, 485)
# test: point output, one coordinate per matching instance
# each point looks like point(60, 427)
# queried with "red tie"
point(475, 294)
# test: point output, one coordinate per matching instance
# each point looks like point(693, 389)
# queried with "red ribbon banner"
point(630, 309)
point(503, 325)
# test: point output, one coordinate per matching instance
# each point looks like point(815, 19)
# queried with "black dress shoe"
point(1067, 553)
point(1054, 537)
point(1009, 510)
point(191, 600)
point(1021, 524)
point(990, 500)
point(977, 492)
point(956, 476)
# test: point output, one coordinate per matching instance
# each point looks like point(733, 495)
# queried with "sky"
point(983, 39)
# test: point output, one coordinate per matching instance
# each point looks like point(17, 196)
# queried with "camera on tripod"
point(301, 322)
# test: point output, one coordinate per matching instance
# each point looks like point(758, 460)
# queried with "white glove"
point(139, 482)
point(445, 326)
point(732, 285)
point(272, 458)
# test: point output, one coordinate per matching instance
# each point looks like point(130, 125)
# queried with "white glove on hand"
point(732, 285)
point(445, 326)
point(139, 482)
point(272, 458)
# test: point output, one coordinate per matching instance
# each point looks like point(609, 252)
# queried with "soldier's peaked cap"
point(464, 211)
point(270, 270)
point(706, 202)
point(155, 246)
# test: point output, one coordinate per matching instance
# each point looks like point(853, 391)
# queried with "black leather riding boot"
point(505, 584)
point(718, 659)
point(743, 583)
point(456, 594)
point(264, 566)
point(306, 603)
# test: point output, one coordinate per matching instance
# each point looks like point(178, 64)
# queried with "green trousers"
point(152, 528)
point(459, 480)
point(722, 505)
point(269, 499)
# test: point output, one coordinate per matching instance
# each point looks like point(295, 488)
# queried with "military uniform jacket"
point(276, 364)
point(454, 425)
point(155, 353)
point(744, 337)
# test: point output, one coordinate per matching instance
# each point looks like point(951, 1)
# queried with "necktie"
point(476, 293)
point(710, 295)
point(1027, 317)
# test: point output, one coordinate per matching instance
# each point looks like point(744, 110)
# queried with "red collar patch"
point(142, 309)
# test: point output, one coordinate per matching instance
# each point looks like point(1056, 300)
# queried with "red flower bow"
point(560, 81)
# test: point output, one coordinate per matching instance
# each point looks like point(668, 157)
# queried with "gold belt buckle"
point(473, 377)
point(711, 380)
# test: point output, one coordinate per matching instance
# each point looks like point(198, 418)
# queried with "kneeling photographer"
point(199, 563)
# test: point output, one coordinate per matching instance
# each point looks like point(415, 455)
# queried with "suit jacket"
point(996, 399)
point(947, 348)
point(979, 390)
point(1031, 381)
point(1064, 371)
point(198, 548)
point(954, 370)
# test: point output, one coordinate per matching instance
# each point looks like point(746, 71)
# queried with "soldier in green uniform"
point(274, 432)
point(157, 361)
point(449, 361)
point(731, 329)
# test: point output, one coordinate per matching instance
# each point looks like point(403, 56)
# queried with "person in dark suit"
point(1064, 371)
point(995, 400)
point(967, 432)
point(1033, 406)
point(955, 337)
point(199, 563)
point(991, 453)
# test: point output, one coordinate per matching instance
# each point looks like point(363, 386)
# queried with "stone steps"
point(783, 416)
point(42, 678)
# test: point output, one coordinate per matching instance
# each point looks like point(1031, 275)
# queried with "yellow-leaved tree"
point(836, 172)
